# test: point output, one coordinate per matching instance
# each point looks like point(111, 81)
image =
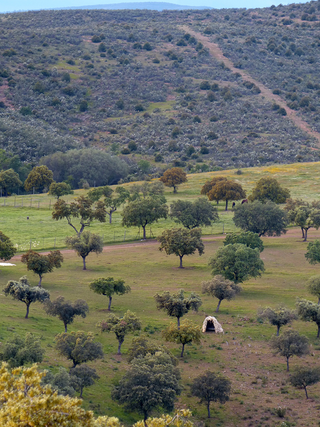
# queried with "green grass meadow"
point(259, 379)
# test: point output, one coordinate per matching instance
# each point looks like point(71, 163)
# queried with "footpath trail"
point(267, 93)
point(292, 233)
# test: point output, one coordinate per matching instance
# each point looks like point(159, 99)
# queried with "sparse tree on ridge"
point(58, 189)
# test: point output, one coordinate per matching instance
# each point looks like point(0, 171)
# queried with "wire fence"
point(46, 243)
point(27, 202)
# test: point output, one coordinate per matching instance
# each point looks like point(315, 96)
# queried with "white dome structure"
point(211, 324)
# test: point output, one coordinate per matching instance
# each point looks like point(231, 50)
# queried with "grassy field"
point(259, 379)
point(27, 219)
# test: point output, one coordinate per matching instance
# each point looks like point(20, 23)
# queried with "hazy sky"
point(17, 5)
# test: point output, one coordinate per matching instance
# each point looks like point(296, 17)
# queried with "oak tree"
point(221, 288)
point(265, 219)
point(121, 326)
point(248, 238)
point(66, 311)
point(237, 263)
point(22, 291)
point(187, 333)
point(305, 217)
point(268, 188)
point(83, 210)
point(207, 187)
point(84, 244)
point(226, 190)
point(108, 287)
point(211, 387)
point(193, 214)
point(174, 177)
point(290, 344)
point(42, 264)
point(38, 179)
point(309, 312)
point(152, 382)
point(177, 305)
point(313, 286)
point(58, 189)
point(141, 212)
point(9, 181)
point(302, 377)
point(82, 376)
point(19, 351)
point(79, 347)
point(313, 252)
point(279, 316)
point(181, 242)
point(112, 199)
point(7, 248)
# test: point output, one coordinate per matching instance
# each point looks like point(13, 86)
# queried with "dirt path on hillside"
point(267, 93)
point(292, 233)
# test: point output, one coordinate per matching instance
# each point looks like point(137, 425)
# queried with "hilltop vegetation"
point(156, 88)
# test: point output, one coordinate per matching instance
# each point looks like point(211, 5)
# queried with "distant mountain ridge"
point(141, 5)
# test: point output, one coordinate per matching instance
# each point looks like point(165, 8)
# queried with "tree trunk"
point(287, 364)
point(174, 188)
point(302, 230)
point(27, 313)
point(84, 263)
point(110, 217)
point(40, 277)
point(305, 234)
point(109, 306)
point(278, 330)
point(208, 407)
point(318, 335)
point(81, 390)
point(218, 306)
point(182, 351)
point(178, 322)
point(180, 256)
point(144, 232)
point(305, 389)
point(226, 205)
point(66, 328)
point(119, 347)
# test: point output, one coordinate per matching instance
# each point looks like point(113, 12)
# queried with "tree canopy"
point(279, 316)
point(174, 177)
point(313, 286)
point(248, 238)
point(226, 190)
point(108, 287)
point(79, 347)
point(38, 179)
point(9, 181)
point(304, 215)
point(193, 214)
point(207, 187)
point(265, 219)
point(19, 351)
point(237, 262)
point(83, 208)
point(58, 189)
point(302, 377)
point(313, 252)
point(42, 264)
point(268, 188)
point(143, 212)
point(22, 291)
point(290, 344)
point(151, 382)
point(7, 249)
point(84, 244)
point(83, 376)
point(177, 305)
point(66, 311)
point(112, 199)
point(121, 326)
point(181, 242)
point(187, 333)
point(221, 288)
point(211, 387)
point(309, 312)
